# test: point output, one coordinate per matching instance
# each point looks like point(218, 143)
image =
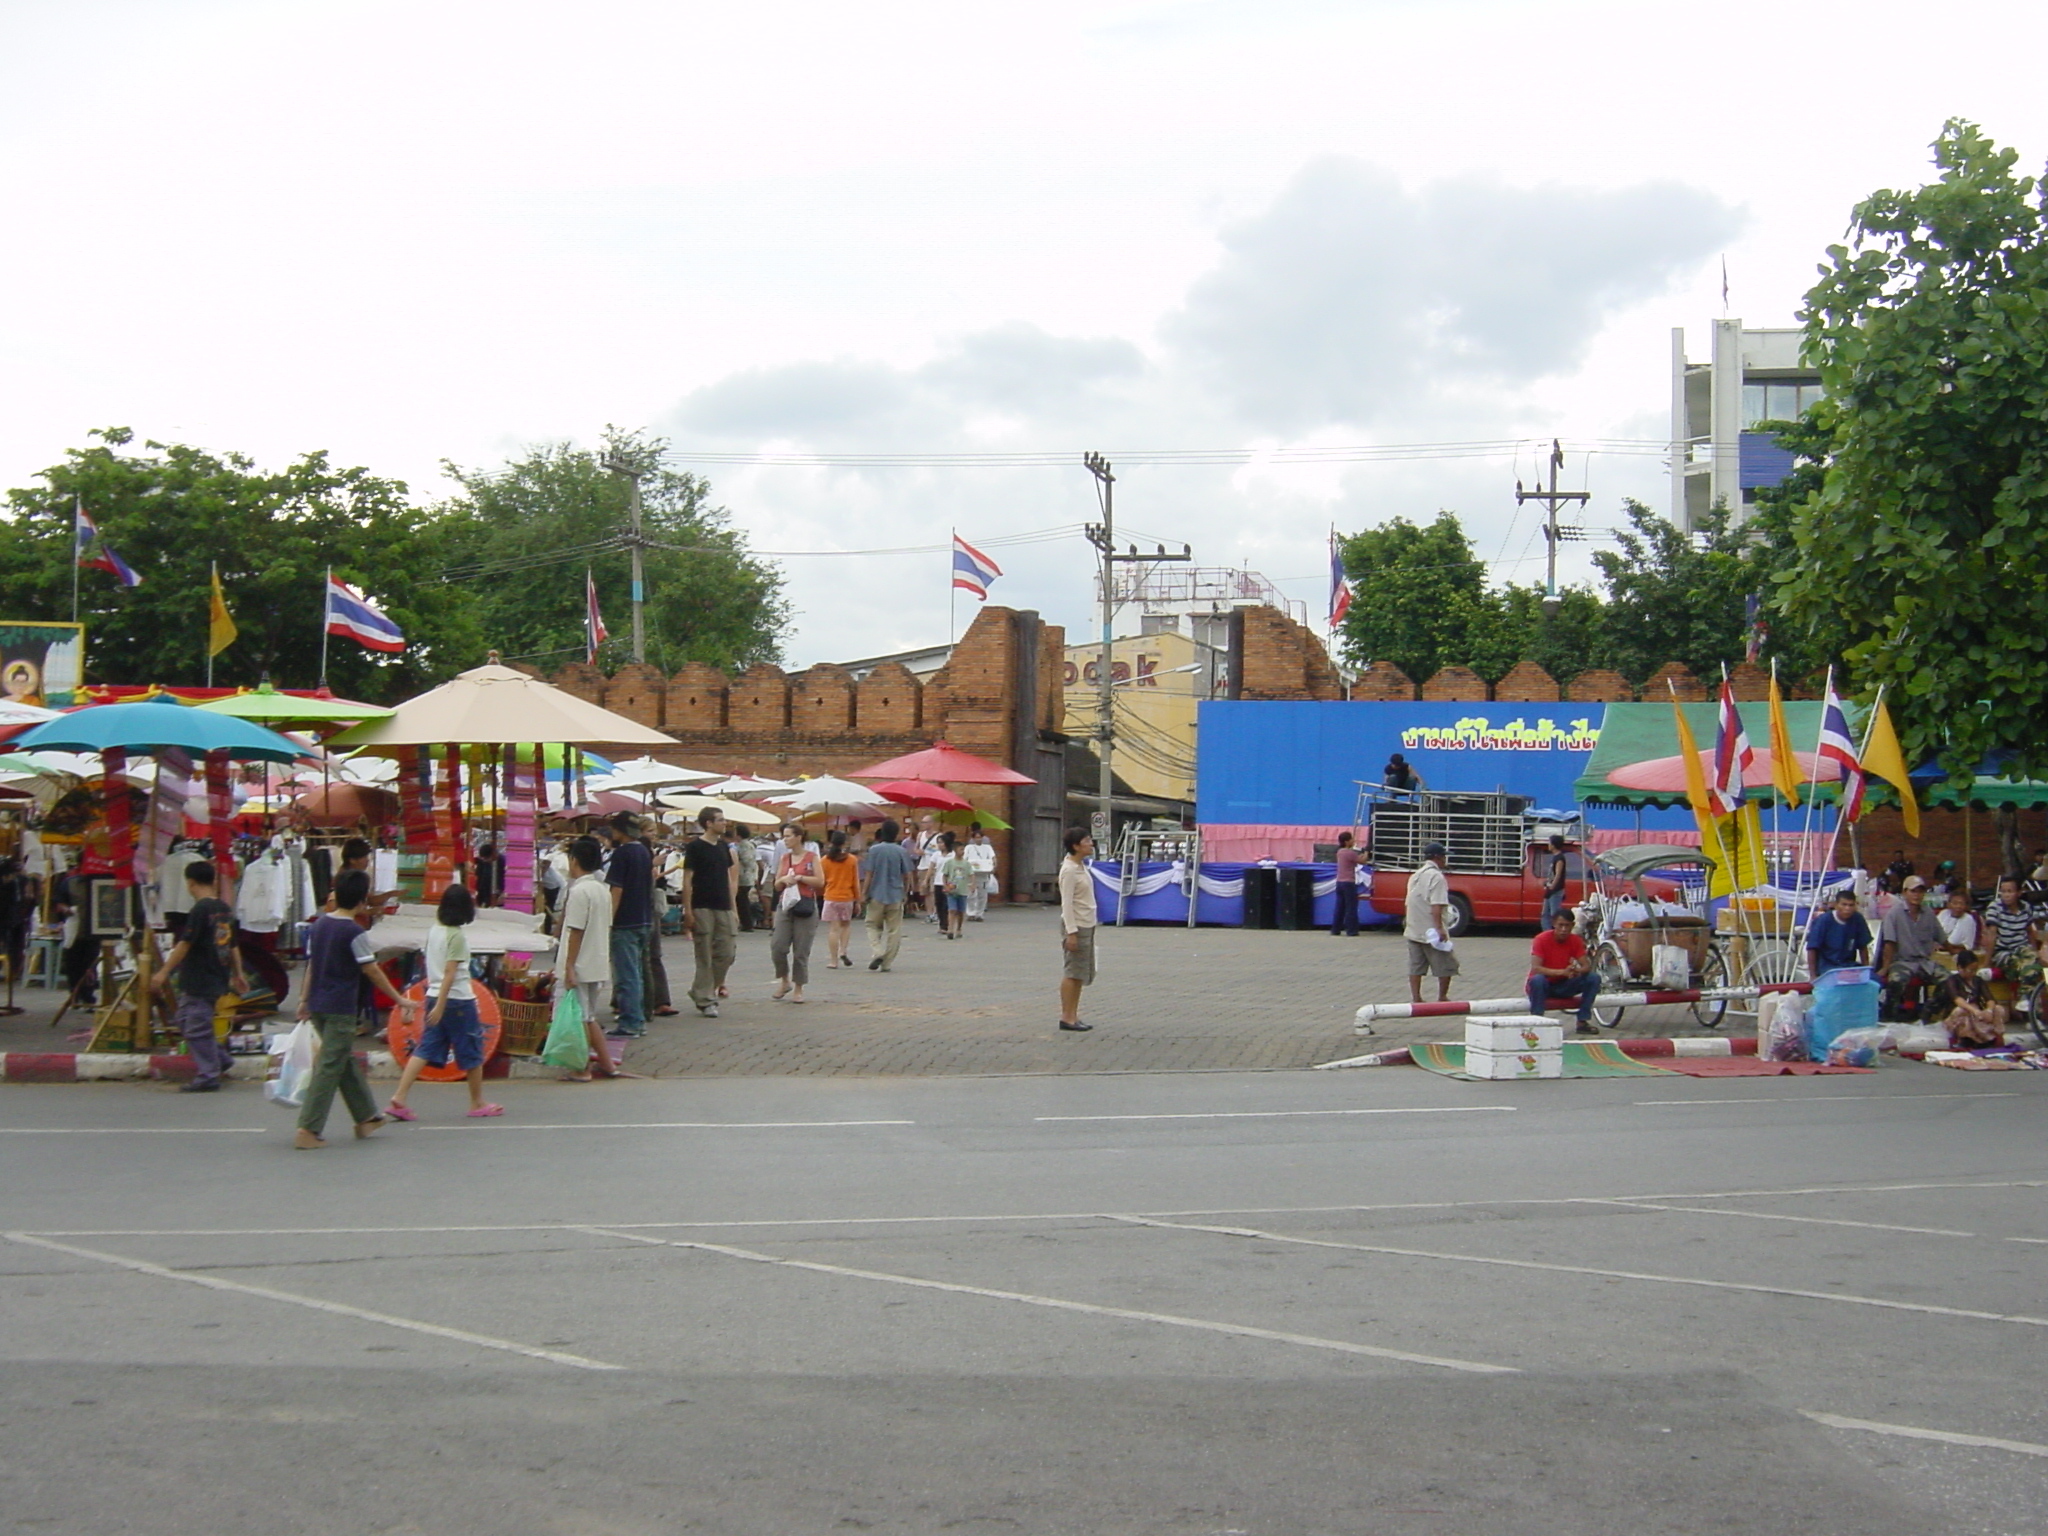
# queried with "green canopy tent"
point(1637, 762)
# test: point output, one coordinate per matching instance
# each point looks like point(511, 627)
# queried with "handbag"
point(803, 904)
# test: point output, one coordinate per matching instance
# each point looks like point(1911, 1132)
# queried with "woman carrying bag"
point(799, 880)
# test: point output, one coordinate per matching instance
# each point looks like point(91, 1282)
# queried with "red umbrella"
point(915, 793)
point(941, 764)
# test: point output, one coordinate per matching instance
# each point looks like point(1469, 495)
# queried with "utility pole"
point(1552, 532)
point(619, 465)
point(1103, 536)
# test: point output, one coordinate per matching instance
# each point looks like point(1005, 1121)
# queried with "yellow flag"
point(1784, 766)
point(1884, 757)
point(220, 627)
point(1695, 776)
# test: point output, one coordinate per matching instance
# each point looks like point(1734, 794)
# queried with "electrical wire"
point(1350, 453)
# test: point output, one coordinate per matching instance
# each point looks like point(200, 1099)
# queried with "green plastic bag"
point(567, 1046)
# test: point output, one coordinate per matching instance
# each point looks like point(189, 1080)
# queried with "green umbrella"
point(269, 706)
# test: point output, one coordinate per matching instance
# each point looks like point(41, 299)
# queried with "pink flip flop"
point(485, 1111)
point(399, 1112)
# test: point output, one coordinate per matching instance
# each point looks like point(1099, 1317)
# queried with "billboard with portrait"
point(42, 664)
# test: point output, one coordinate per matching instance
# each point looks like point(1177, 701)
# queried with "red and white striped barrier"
point(1371, 1013)
point(1681, 1045)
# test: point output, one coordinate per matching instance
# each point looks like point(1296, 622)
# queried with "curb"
point(117, 1067)
point(1681, 1045)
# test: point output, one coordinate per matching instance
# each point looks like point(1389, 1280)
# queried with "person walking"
point(1425, 925)
point(659, 856)
point(1344, 920)
point(1077, 927)
point(707, 910)
point(630, 874)
point(799, 882)
point(885, 876)
point(454, 1027)
point(587, 950)
point(746, 863)
point(957, 877)
point(981, 853)
point(340, 960)
point(207, 966)
point(841, 896)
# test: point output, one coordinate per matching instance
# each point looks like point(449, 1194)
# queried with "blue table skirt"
point(1168, 904)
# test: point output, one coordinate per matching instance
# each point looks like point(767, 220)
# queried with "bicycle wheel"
point(1613, 972)
point(1713, 972)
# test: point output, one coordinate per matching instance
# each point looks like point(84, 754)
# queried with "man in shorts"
point(1077, 927)
point(1424, 925)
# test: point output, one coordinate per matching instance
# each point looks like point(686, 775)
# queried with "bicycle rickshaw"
point(1628, 915)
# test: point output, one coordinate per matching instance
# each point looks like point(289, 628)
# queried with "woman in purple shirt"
point(1344, 920)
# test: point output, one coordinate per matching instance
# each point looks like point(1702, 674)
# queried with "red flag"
point(594, 632)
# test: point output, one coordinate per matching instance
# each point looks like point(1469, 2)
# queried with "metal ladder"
point(1140, 845)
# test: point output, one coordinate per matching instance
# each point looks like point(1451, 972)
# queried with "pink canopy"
point(941, 764)
point(1668, 773)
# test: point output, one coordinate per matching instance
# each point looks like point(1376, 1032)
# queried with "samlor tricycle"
point(1628, 916)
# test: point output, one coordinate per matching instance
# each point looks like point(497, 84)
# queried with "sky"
point(788, 238)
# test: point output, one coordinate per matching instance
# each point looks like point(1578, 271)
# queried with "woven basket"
point(524, 1026)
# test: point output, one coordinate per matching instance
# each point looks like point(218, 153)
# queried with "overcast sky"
point(409, 232)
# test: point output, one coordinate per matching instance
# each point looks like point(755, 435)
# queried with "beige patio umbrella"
point(493, 705)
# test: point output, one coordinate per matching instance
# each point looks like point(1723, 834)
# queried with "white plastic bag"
point(296, 1053)
point(1670, 968)
point(1788, 1028)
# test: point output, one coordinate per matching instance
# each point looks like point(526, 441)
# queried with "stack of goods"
point(1505, 1046)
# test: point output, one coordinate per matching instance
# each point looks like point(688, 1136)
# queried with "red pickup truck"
point(1488, 897)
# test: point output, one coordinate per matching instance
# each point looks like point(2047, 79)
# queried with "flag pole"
point(326, 587)
point(952, 596)
point(209, 622)
point(77, 527)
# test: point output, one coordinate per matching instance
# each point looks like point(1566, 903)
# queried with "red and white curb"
point(1372, 1013)
point(115, 1067)
point(1683, 1045)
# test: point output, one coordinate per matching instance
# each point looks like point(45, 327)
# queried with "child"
point(956, 873)
point(453, 1027)
point(1974, 1020)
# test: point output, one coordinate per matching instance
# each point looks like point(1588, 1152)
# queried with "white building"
point(1716, 456)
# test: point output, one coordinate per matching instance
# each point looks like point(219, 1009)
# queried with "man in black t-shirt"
point(708, 916)
point(207, 966)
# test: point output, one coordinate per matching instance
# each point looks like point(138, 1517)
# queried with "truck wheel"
point(1459, 916)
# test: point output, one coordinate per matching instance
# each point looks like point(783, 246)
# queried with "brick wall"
point(1455, 685)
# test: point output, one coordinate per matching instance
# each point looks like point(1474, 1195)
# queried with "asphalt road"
point(1210, 1302)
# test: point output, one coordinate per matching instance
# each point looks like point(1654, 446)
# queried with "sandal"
point(485, 1111)
point(398, 1111)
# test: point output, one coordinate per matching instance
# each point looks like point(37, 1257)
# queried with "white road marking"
point(658, 1125)
point(1909, 1432)
point(1605, 1274)
point(2027, 1239)
point(133, 1130)
point(1205, 1325)
point(1283, 1114)
point(1020, 1216)
point(314, 1303)
point(1830, 1098)
point(1819, 1221)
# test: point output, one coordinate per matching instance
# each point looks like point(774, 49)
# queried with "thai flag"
point(972, 570)
point(96, 554)
point(1340, 587)
point(1839, 747)
point(1732, 756)
point(594, 632)
point(355, 617)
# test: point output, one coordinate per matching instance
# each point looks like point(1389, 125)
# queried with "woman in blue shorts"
point(453, 1027)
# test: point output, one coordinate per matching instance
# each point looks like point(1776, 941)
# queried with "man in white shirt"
point(1425, 925)
point(1077, 927)
point(587, 949)
point(980, 853)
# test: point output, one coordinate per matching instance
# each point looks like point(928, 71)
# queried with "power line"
point(1351, 453)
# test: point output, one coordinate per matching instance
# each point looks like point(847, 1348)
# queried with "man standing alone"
point(1344, 919)
point(707, 910)
point(1425, 925)
point(204, 961)
point(885, 874)
point(1077, 926)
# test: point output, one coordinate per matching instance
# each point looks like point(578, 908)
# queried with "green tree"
point(172, 511)
point(1518, 623)
point(1418, 593)
point(518, 539)
point(1671, 597)
point(1925, 548)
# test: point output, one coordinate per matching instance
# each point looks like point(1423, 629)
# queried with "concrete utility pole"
point(619, 465)
point(1552, 532)
point(1103, 536)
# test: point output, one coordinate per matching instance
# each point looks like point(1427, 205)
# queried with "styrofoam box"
point(1504, 1065)
point(1513, 1032)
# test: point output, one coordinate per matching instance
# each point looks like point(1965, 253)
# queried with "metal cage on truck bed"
point(1482, 834)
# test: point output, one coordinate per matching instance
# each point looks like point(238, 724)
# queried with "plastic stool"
point(45, 963)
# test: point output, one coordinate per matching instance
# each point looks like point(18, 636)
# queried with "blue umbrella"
point(152, 725)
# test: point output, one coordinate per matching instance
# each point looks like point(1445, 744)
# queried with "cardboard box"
point(1776, 923)
point(1513, 1065)
point(1510, 1033)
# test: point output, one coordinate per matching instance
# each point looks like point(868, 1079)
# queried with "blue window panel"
point(1762, 461)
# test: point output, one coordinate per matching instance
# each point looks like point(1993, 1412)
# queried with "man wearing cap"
point(1424, 925)
point(1909, 937)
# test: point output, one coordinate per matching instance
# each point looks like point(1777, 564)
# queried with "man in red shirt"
point(1558, 969)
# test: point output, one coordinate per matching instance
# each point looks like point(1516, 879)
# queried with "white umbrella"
point(745, 784)
point(830, 797)
point(690, 804)
point(645, 773)
point(13, 712)
point(493, 706)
